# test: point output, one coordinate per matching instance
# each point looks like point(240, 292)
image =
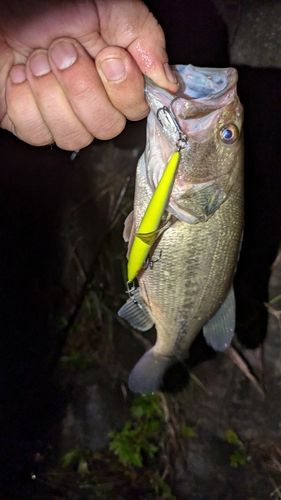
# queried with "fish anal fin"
point(219, 330)
point(135, 313)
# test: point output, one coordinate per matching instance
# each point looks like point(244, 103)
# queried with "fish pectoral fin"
point(219, 330)
point(147, 375)
point(202, 200)
point(135, 313)
point(150, 238)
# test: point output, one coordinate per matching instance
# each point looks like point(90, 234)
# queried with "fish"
point(185, 272)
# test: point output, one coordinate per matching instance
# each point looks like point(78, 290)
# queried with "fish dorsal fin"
point(128, 226)
point(219, 330)
point(129, 231)
point(135, 313)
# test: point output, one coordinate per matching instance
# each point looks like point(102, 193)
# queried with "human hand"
point(72, 70)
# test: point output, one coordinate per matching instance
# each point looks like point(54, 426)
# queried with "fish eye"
point(229, 134)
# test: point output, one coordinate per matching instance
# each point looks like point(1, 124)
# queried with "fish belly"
point(191, 271)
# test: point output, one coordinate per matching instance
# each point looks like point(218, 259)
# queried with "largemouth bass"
point(186, 284)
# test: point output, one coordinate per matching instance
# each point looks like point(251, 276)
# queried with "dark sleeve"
point(195, 32)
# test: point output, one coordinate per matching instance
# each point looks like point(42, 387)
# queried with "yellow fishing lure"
point(145, 236)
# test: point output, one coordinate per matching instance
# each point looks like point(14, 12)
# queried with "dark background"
point(38, 187)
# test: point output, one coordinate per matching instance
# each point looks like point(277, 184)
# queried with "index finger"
point(129, 24)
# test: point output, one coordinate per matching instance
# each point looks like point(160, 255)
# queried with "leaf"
point(146, 406)
point(232, 437)
point(187, 431)
point(149, 448)
point(70, 457)
point(238, 458)
point(137, 433)
point(151, 427)
point(162, 488)
point(125, 446)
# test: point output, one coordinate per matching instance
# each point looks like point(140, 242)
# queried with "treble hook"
point(171, 118)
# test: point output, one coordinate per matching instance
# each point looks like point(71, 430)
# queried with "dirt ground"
point(218, 400)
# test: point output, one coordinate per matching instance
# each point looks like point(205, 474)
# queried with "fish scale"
point(177, 301)
point(187, 285)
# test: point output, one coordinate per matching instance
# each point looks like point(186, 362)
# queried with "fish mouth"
point(198, 103)
point(198, 83)
point(207, 84)
point(202, 95)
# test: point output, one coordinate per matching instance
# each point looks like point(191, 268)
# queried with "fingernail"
point(17, 74)
point(169, 74)
point(113, 69)
point(64, 55)
point(39, 64)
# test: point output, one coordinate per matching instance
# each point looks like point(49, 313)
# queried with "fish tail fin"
point(146, 377)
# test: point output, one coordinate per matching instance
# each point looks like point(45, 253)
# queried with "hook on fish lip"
point(170, 116)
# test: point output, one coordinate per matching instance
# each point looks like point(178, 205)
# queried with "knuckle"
point(35, 136)
point(111, 128)
point(136, 113)
point(40, 136)
point(40, 140)
point(73, 141)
